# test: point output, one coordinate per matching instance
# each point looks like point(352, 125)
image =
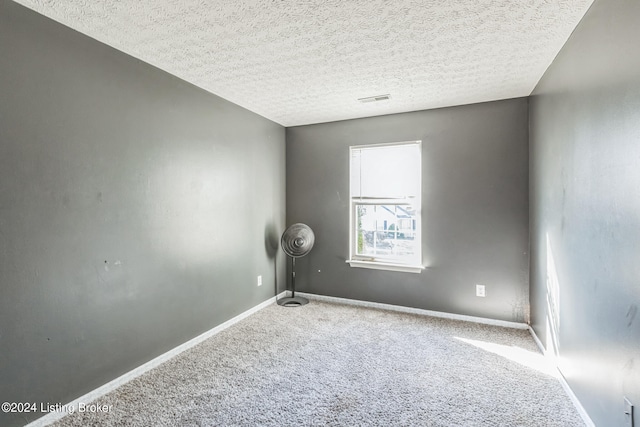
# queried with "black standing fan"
point(297, 241)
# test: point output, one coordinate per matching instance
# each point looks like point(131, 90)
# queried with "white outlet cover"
point(480, 291)
point(259, 280)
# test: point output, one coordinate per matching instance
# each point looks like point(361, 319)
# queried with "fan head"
point(297, 240)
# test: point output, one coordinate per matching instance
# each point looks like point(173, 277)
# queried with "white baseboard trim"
point(552, 360)
point(401, 309)
point(52, 417)
point(537, 341)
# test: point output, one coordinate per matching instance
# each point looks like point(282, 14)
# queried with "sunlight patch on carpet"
point(530, 359)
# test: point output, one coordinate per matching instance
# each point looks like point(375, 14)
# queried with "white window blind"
point(385, 171)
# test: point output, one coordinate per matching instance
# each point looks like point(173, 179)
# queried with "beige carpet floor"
point(335, 365)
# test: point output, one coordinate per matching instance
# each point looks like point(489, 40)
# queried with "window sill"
point(376, 265)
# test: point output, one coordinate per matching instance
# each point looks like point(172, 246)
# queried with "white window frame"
point(385, 263)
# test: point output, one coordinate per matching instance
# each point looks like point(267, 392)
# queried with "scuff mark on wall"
point(631, 314)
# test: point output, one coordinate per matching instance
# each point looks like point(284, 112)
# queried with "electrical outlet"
point(480, 291)
point(259, 280)
point(628, 412)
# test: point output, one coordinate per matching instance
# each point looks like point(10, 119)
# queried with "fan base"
point(292, 301)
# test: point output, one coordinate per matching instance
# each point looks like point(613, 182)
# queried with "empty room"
point(319, 213)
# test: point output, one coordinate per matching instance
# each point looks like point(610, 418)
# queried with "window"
point(385, 206)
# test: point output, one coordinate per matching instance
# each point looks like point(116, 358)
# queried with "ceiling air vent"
point(375, 98)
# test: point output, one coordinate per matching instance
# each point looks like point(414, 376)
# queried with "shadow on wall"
point(271, 246)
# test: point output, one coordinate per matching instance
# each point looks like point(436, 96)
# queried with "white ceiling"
point(308, 61)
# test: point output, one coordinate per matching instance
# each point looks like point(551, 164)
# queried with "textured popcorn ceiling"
point(299, 62)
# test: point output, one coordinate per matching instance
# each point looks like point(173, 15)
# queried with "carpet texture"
point(335, 365)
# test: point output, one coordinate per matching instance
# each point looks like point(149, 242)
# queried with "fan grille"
point(297, 240)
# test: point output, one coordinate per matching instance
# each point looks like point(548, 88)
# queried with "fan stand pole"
point(293, 300)
point(293, 277)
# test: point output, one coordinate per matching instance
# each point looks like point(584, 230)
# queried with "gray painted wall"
point(475, 208)
point(135, 211)
point(585, 208)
